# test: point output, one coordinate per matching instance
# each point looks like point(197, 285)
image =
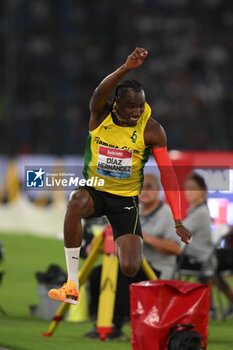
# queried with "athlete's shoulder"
point(96, 119)
point(152, 123)
point(154, 134)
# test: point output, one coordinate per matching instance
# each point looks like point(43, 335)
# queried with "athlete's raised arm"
point(155, 136)
point(100, 96)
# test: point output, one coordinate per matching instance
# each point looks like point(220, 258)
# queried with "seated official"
point(161, 244)
point(199, 255)
point(200, 252)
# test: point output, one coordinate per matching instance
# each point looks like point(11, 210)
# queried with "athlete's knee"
point(130, 267)
point(129, 252)
point(78, 203)
point(74, 202)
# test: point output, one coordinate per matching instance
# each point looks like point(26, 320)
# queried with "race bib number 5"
point(114, 162)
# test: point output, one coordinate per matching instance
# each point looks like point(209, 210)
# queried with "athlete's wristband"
point(178, 225)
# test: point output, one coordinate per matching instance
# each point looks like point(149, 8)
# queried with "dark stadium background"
point(54, 53)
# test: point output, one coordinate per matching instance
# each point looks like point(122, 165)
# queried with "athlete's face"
point(130, 107)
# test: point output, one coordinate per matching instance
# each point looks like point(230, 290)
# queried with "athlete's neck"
point(118, 120)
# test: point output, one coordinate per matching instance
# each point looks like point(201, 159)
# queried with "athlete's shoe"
point(67, 293)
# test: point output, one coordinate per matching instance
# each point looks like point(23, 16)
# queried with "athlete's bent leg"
point(80, 205)
point(129, 253)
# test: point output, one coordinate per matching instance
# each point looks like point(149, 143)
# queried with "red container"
point(158, 305)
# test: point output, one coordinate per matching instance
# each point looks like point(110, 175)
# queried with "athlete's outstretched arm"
point(107, 85)
point(156, 137)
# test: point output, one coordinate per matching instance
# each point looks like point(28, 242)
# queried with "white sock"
point(72, 260)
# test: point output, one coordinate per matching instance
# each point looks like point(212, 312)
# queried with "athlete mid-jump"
point(121, 136)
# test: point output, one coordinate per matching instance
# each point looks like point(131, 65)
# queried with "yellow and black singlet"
point(117, 155)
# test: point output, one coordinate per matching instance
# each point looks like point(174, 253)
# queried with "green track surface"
point(24, 256)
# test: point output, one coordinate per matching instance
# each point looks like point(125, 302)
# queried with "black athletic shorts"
point(122, 212)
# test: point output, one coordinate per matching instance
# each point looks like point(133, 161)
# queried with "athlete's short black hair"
point(125, 85)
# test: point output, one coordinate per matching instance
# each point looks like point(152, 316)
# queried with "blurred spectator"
point(200, 255)
point(161, 244)
point(198, 221)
